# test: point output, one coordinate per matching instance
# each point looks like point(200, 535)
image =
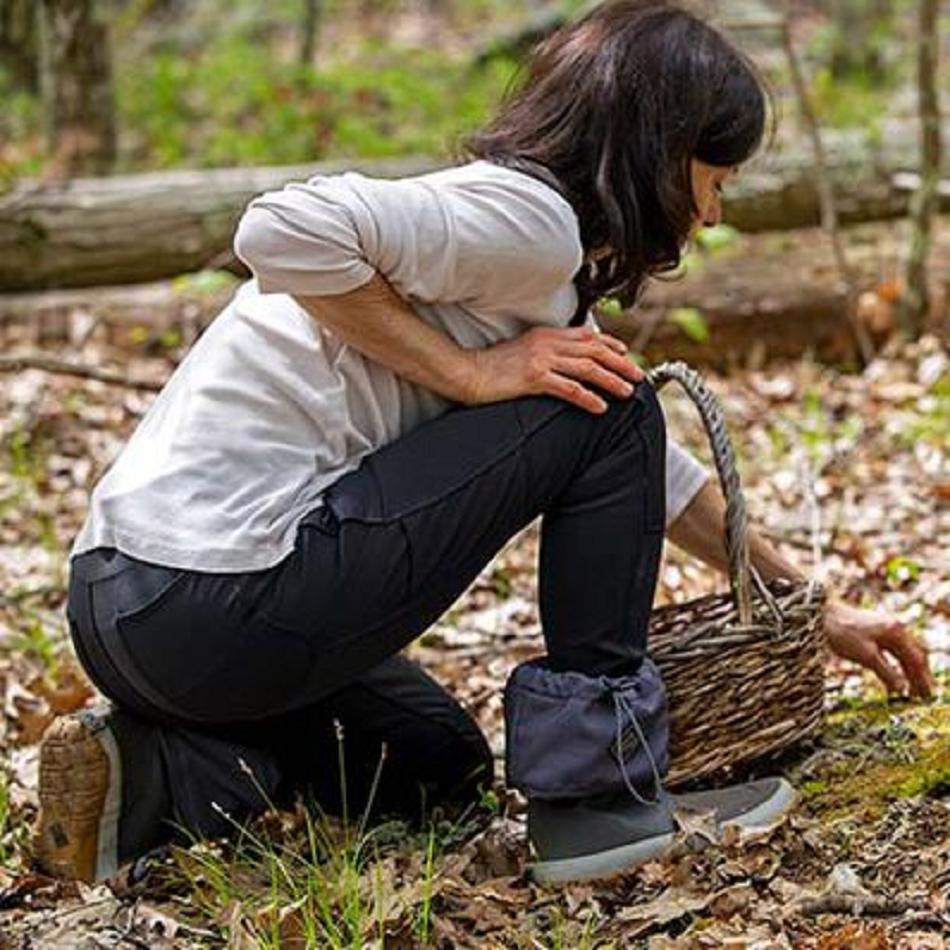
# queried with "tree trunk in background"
point(312, 12)
point(18, 42)
point(854, 47)
point(914, 303)
point(76, 85)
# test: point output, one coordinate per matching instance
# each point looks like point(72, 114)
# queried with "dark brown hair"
point(611, 110)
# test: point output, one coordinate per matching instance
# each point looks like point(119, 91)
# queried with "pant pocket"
point(141, 590)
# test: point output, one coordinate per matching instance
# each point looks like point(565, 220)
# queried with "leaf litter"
point(851, 467)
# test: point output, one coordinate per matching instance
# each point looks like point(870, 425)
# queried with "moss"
point(880, 752)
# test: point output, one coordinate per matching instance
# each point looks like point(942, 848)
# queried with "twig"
point(811, 496)
point(14, 364)
point(857, 906)
point(829, 215)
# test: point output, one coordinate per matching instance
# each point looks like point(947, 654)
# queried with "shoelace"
point(621, 706)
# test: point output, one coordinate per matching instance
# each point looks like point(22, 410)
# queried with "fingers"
point(555, 384)
point(590, 371)
point(584, 342)
point(912, 656)
point(606, 356)
point(886, 673)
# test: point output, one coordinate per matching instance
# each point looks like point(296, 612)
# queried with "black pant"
point(220, 675)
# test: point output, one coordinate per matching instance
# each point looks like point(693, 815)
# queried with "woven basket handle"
point(736, 522)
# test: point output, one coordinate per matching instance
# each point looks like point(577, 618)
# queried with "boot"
point(582, 748)
point(577, 839)
point(80, 792)
point(103, 796)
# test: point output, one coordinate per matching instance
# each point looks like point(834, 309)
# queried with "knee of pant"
point(652, 410)
point(642, 410)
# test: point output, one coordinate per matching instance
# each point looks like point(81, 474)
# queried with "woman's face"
point(708, 181)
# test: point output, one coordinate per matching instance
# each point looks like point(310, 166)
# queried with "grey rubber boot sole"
point(651, 829)
point(602, 863)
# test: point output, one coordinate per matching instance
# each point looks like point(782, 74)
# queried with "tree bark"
point(829, 210)
point(18, 42)
point(76, 85)
point(914, 302)
point(145, 227)
point(310, 27)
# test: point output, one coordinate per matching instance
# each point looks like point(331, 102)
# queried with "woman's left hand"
point(872, 638)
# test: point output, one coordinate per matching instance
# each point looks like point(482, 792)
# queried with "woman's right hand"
point(553, 361)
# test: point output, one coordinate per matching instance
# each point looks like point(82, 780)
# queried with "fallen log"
point(84, 232)
point(780, 295)
point(130, 228)
point(769, 295)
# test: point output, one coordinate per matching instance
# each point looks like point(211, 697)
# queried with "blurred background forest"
point(232, 82)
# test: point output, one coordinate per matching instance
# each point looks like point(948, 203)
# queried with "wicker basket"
point(743, 670)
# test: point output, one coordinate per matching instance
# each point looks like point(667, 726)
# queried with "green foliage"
point(901, 570)
point(25, 463)
point(204, 282)
point(501, 583)
point(930, 422)
point(855, 102)
point(5, 850)
point(20, 122)
point(691, 321)
point(717, 238)
point(693, 261)
point(814, 432)
point(33, 640)
point(14, 832)
point(424, 912)
point(610, 307)
point(385, 102)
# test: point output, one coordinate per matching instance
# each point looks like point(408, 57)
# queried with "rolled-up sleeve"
point(302, 240)
point(685, 476)
point(478, 241)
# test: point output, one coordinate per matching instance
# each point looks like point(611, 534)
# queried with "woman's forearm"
point(377, 322)
point(566, 362)
point(700, 530)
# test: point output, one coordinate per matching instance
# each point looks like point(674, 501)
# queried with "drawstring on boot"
point(568, 732)
point(621, 706)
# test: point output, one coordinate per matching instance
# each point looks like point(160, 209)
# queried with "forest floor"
point(863, 861)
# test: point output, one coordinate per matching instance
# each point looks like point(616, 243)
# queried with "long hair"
point(611, 109)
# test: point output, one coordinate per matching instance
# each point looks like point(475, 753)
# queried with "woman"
point(411, 377)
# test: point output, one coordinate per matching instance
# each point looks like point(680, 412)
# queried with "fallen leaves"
point(870, 451)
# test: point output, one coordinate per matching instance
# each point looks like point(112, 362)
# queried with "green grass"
point(34, 640)
point(334, 886)
point(319, 880)
point(6, 852)
point(930, 419)
point(13, 833)
point(24, 455)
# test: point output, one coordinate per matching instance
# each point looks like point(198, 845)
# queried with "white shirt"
point(268, 408)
